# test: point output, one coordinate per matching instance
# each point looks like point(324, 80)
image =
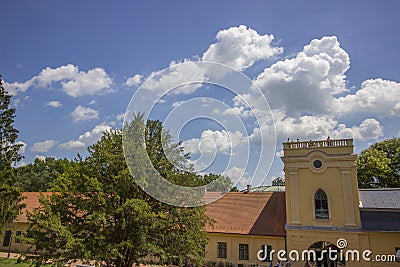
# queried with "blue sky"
point(325, 68)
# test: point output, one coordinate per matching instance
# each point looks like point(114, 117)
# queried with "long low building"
point(316, 216)
point(245, 222)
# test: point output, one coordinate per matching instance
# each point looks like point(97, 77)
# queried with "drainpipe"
point(287, 256)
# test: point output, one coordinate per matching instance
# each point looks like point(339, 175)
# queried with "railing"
point(318, 144)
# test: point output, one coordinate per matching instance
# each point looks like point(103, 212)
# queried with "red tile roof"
point(31, 201)
point(253, 213)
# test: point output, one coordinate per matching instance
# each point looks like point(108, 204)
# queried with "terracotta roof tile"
point(31, 201)
point(255, 213)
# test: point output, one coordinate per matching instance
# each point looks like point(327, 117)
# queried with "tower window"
point(321, 205)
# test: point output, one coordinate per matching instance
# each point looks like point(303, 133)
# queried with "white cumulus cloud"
point(375, 96)
point(317, 128)
point(23, 146)
point(87, 138)
point(303, 94)
point(308, 82)
point(235, 174)
point(369, 129)
point(134, 80)
point(54, 104)
point(120, 117)
point(43, 146)
point(214, 141)
point(84, 114)
point(16, 87)
point(239, 47)
point(69, 78)
point(177, 74)
point(40, 157)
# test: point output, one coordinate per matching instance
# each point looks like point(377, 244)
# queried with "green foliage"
point(10, 195)
point(100, 214)
point(379, 165)
point(39, 175)
point(217, 182)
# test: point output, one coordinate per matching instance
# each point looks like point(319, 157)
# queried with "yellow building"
point(329, 222)
point(321, 218)
point(10, 236)
point(244, 224)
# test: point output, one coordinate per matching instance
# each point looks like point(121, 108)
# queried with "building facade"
point(328, 222)
point(321, 218)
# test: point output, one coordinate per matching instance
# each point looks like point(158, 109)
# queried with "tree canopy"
point(39, 175)
point(379, 165)
point(10, 195)
point(99, 213)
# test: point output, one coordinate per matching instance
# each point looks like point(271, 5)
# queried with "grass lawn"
point(12, 263)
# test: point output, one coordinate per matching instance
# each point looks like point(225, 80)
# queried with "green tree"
point(217, 182)
point(100, 213)
point(379, 165)
point(10, 195)
point(39, 175)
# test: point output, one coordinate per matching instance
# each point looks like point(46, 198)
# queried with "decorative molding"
point(321, 228)
point(348, 197)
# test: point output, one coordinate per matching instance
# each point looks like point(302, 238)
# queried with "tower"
point(321, 185)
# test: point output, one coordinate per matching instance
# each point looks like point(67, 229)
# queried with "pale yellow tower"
point(322, 201)
point(321, 184)
point(322, 206)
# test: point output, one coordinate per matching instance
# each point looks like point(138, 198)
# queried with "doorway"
point(7, 239)
point(326, 255)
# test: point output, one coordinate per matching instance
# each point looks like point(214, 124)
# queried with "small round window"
point(317, 164)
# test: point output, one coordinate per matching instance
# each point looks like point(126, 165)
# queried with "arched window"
point(321, 205)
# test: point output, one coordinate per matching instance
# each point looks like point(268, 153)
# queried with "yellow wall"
point(379, 243)
point(300, 240)
point(16, 247)
point(233, 241)
point(384, 243)
point(331, 182)
point(337, 178)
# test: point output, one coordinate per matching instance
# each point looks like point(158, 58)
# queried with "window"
point(7, 238)
point(317, 164)
point(243, 251)
point(267, 249)
point(321, 205)
point(17, 236)
point(222, 250)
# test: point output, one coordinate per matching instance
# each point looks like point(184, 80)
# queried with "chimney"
point(248, 187)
